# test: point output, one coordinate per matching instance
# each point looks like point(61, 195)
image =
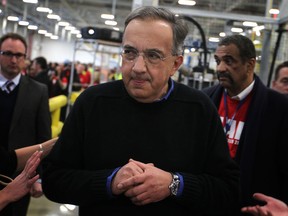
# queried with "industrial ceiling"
point(212, 15)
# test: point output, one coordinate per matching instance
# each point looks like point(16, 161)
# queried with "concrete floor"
point(44, 207)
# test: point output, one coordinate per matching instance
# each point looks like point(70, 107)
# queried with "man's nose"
point(221, 67)
point(139, 63)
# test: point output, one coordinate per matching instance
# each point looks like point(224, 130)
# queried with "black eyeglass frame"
point(10, 54)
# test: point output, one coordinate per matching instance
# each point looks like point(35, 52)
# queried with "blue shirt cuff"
point(109, 181)
point(180, 189)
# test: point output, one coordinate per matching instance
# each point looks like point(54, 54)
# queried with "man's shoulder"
point(108, 86)
point(266, 93)
point(210, 90)
point(25, 80)
point(188, 93)
point(109, 89)
point(42, 74)
point(276, 97)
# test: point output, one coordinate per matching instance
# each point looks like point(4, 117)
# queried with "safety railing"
point(55, 105)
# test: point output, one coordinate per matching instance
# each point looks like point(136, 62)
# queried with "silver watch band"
point(174, 185)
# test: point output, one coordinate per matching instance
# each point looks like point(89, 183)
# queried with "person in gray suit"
point(24, 109)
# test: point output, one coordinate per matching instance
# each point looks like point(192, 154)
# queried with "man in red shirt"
point(254, 119)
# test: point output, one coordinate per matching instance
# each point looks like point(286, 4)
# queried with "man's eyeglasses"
point(9, 54)
point(149, 56)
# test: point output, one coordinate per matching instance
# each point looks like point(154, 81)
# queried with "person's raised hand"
point(273, 207)
point(22, 184)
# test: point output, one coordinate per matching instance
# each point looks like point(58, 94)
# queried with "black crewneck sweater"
point(106, 128)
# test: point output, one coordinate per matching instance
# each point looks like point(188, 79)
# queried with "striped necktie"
point(9, 86)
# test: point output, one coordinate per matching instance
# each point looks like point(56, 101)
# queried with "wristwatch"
point(174, 185)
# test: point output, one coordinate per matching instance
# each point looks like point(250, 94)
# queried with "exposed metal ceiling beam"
point(225, 16)
point(33, 18)
point(73, 12)
point(283, 12)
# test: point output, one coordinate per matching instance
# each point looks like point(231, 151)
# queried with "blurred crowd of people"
point(57, 75)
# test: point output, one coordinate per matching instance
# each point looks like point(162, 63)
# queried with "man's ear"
point(176, 65)
point(251, 64)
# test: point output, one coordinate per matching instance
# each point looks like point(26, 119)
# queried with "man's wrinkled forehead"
point(227, 51)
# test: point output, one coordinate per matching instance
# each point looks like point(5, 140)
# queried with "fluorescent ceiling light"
point(273, 11)
point(44, 9)
point(236, 30)
point(12, 18)
point(107, 16)
point(250, 24)
point(186, 2)
point(110, 22)
point(222, 34)
point(32, 27)
point(31, 1)
point(23, 23)
point(62, 23)
point(116, 28)
point(213, 39)
point(53, 16)
point(42, 31)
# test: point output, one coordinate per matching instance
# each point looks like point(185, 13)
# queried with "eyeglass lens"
point(11, 54)
point(131, 55)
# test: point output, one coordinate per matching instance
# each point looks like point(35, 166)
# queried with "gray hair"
point(178, 25)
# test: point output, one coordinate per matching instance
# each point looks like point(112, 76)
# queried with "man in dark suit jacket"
point(255, 120)
point(24, 108)
point(40, 72)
